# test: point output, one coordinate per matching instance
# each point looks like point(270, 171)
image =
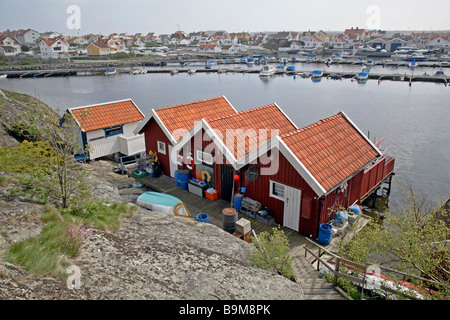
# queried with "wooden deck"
point(213, 208)
point(313, 286)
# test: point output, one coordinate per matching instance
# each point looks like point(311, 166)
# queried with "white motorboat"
point(267, 71)
point(3, 76)
point(191, 71)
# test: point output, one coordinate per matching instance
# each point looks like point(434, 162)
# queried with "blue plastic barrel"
point(325, 233)
point(341, 217)
point(238, 201)
point(184, 179)
point(202, 217)
point(176, 177)
point(355, 209)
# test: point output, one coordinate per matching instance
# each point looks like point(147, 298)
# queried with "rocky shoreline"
point(151, 257)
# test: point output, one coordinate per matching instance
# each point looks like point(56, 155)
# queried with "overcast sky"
point(167, 16)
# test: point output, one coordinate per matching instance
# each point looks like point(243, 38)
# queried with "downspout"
point(321, 199)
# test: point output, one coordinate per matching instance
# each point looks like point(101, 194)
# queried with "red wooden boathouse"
point(302, 174)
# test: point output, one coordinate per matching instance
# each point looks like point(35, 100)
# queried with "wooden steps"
point(313, 285)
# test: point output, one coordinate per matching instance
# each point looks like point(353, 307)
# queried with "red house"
point(302, 175)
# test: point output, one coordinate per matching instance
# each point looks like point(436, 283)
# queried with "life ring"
point(180, 160)
point(154, 154)
point(181, 210)
point(190, 162)
point(208, 176)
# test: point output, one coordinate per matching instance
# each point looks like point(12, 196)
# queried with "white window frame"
point(161, 147)
point(271, 194)
point(201, 157)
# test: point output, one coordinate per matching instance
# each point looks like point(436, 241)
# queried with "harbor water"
point(412, 119)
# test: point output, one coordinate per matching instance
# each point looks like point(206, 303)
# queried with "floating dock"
point(302, 73)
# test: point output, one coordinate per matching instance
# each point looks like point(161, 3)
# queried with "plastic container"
point(325, 233)
point(211, 195)
point(183, 177)
point(176, 178)
point(202, 217)
point(229, 218)
point(341, 217)
point(243, 189)
point(238, 201)
point(355, 209)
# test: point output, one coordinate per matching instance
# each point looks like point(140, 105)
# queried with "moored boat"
point(267, 71)
point(362, 76)
point(138, 70)
point(173, 71)
point(3, 76)
point(280, 69)
point(191, 71)
point(317, 74)
point(110, 72)
point(290, 68)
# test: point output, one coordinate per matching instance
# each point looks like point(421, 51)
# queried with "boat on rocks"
point(162, 202)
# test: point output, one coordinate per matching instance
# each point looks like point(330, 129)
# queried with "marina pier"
point(405, 76)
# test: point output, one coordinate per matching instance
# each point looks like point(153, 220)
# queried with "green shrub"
point(62, 237)
point(272, 253)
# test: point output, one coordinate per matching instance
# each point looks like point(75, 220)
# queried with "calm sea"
point(413, 119)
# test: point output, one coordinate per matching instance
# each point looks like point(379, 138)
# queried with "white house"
point(9, 46)
point(28, 36)
point(312, 42)
point(108, 129)
point(53, 48)
point(339, 42)
point(438, 42)
point(229, 49)
point(211, 48)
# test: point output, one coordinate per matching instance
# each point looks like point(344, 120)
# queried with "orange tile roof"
point(331, 149)
point(184, 116)
point(106, 115)
point(251, 127)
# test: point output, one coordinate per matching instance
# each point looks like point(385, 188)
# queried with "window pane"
point(278, 190)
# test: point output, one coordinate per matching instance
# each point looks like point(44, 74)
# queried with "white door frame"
point(292, 205)
point(173, 165)
point(291, 214)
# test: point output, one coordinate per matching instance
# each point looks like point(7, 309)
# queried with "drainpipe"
point(321, 199)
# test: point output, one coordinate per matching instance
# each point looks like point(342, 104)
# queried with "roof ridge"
point(188, 103)
point(312, 125)
point(102, 104)
point(242, 112)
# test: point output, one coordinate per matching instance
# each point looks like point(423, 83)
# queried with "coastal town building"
point(9, 46)
point(301, 179)
point(54, 48)
point(24, 37)
point(108, 129)
point(99, 48)
point(202, 41)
